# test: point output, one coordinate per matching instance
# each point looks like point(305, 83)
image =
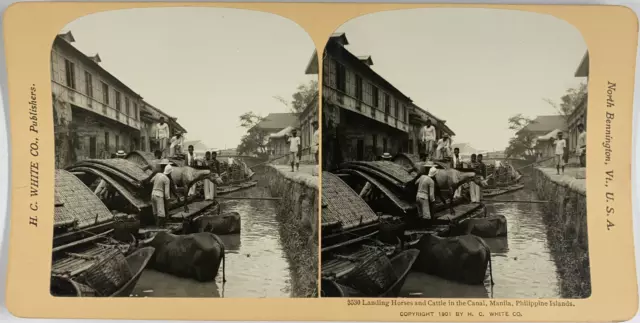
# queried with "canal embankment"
point(297, 216)
point(566, 217)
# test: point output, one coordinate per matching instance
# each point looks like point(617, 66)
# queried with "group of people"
point(295, 147)
point(431, 147)
point(167, 144)
point(428, 186)
point(561, 154)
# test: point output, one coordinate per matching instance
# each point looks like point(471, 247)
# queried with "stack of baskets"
point(110, 272)
point(373, 274)
point(125, 227)
point(391, 229)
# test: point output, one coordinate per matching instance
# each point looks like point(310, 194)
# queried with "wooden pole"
point(515, 201)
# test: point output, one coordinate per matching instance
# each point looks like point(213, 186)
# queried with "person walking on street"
point(560, 145)
point(426, 193)
point(294, 150)
point(428, 139)
point(162, 136)
point(581, 147)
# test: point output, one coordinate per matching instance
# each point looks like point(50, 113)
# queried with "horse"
point(450, 179)
point(186, 177)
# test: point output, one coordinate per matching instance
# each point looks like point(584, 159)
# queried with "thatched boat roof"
point(341, 204)
point(76, 203)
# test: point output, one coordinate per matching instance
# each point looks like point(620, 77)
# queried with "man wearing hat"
point(386, 156)
point(426, 192)
point(121, 154)
point(160, 194)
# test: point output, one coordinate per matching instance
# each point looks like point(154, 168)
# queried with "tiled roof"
point(278, 121)
point(545, 124)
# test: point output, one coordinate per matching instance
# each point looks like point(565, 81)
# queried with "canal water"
point(523, 266)
point(256, 266)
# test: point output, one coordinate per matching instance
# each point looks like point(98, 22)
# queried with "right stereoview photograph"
point(454, 155)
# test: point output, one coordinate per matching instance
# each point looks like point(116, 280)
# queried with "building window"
point(70, 70)
point(88, 84)
point(384, 145)
point(143, 145)
point(341, 77)
point(376, 96)
point(106, 142)
point(404, 113)
point(126, 106)
point(411, 146)
point(375, 145)
point(396, 106)
point(105, 93)
point(387, 104)
point(358, 87)
point(117, 142)
point(368, 93)
point(135, 112)
point(118, 103)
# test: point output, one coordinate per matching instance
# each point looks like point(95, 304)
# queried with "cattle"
point(489, 227)
point(463, 259)
point(197, 256)
point(227, 223)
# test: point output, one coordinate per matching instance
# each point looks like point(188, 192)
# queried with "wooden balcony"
point(350, 103)
point(91, 104)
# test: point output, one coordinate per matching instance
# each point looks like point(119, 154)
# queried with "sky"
point(205, 66)
point(473, 68)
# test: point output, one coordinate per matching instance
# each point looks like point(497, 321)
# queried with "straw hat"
point(386, 155)
point(168, 169)
point(121, 153)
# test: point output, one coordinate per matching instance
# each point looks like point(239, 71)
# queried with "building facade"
point(95, 114)
point(150, 116)
point(305, 125)
point(364, 115)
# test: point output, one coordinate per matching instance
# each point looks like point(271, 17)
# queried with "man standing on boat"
point(474, 189)
point(294, 150)
point(581, 147)
point(560, 145)
point(426, 192)
point(160, 194)
point(162, 135)
point(456, 163)
point(428, 139)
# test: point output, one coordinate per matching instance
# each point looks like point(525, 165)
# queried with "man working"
point(560, 145)
point(474, 189)
point(294, 150)
point(162, 135)
point(177, 142)
point(428, 138)
point(160, 194)
point(214, 166)
point(426, 192)
point(456, 162)
point(581, 145)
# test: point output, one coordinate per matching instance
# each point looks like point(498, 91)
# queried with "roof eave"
point(583, 68)
point(312, 66)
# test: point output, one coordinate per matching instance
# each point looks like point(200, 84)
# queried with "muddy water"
point(523, 266)
point(256, 265)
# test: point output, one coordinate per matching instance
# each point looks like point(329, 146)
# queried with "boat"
point(490, 192)
point(68, 286)
point(401, 264)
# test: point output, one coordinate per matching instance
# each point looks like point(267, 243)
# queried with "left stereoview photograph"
point(186, 145)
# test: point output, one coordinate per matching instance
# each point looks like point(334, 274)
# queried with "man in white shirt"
point(315, 143)
point(162, 135)
point(428, 138)
point(581, 147)
point(177, 142)
point(294, 150)
point(560, 144)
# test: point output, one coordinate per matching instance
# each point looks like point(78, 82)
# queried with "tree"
point(255, 140)
point(569, 101)
point(522, 144)
point(304, 95)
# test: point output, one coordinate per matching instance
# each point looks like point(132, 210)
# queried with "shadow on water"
point(256, 265)
point(523, 266)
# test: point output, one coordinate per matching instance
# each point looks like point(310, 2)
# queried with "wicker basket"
point(390, 229)
point(108, 274)
point(125, 227)
point(372, 275)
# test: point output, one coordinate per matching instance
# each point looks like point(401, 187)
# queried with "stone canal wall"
point(566, 218)
point(298, 223)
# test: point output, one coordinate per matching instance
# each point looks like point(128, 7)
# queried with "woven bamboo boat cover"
point(131, 194)
point(80, 205)
point(398, 201)
point(142, 158)
point(127, 167)
point(392, 169)
point(344, 205)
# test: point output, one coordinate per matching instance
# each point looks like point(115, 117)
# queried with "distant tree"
point(521, 145)
point(256, 139)
point(304, 95)
point(570, 101)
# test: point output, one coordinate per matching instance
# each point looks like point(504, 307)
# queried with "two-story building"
point(95, 113)
point(150, 116)
point(306, 118)
point(363, 113)
point(417, 119)
point(579, 114)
